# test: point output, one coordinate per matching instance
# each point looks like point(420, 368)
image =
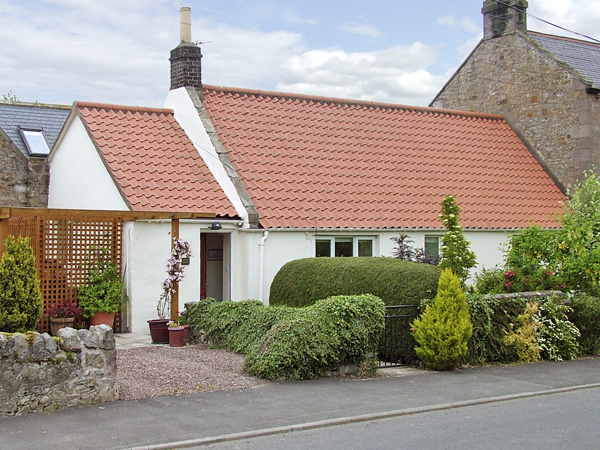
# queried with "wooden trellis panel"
point(64, 247)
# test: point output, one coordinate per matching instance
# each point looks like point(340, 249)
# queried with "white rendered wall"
point(149, 246)
point(78, 177)
point(187, 116)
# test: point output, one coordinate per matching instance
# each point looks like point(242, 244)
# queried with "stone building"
point(547, 87)
point(27, 133)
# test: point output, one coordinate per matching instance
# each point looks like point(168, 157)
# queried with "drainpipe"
point(261, 267)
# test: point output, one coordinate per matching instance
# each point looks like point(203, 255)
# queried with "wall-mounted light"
point(215, 226)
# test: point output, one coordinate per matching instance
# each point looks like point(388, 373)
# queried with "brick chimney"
point(504, 17)
point(185, 58)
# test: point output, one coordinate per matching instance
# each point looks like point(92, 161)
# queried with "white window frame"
point(35, 141)
point(355, 241)
point(439, 238)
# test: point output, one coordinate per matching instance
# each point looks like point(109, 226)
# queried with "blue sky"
point(116, 51)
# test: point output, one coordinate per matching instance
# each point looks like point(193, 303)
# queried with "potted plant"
point(101, 297)
point(175, 271)
point(63, 314)
point(176, 334)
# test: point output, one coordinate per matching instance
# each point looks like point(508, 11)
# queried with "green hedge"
point(304, 281)
point(293, 343)
point(585, 315)
point(319, 337)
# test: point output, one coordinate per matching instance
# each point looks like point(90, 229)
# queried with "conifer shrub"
point(443, 331)
point(304, 281)
point(21, 302)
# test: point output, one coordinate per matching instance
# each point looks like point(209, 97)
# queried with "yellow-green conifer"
point(444, 329)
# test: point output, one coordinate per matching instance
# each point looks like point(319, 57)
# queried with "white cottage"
point(289, 176)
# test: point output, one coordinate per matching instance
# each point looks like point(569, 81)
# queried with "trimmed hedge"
point(293, 343)
point(304, 281)
point(334, 331)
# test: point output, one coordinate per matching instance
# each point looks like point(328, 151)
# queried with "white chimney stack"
point(185, 24)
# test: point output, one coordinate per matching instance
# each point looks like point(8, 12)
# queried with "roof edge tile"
point(79, 104)
point(343, 101)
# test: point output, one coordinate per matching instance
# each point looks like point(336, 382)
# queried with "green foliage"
point(406, 252)
point(523, 336)
point(579, 241)
point(304, 281)
point(102, 291)
point(21, 302)
point(557, 335)
point(294, 343)
point(9, 97)
point(585, 315)
point(532, 248)
point(504, 314)
point(319, 337)
point(222, 320)
point(455, 251)
point(444, 329)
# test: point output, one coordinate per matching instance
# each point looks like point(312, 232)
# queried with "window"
point(432, 245)
point(344, 246)
point(35, 141)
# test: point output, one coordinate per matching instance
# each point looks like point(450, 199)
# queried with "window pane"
point(343, 247)
point(323, 247)
point(365, 247)
point(432, 245)
point(35, 142)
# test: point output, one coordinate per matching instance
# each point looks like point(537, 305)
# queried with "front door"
point(213, 282)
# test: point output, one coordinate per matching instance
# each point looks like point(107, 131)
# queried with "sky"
point(117, 51)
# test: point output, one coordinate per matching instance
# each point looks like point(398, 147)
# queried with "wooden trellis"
point(64, 246)
point(66, 241)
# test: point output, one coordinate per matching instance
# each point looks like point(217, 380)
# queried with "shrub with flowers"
point(175, 273)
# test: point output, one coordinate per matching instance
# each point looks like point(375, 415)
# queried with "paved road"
point(187, 421)
point(555, 421)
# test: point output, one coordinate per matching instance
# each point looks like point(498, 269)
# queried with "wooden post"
point(175, 295)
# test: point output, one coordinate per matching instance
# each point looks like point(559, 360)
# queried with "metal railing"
point(397, 346)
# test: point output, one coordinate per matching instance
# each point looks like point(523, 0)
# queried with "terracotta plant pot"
point(176, 336)
point(159, 332)
point(186, 333)
point(103, 318)
point(56, 323)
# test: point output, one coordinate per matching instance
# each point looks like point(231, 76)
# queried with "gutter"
point(261, 267)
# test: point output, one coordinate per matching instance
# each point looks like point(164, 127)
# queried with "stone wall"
point(41, 373)
point(543, 101)
point(23, 181)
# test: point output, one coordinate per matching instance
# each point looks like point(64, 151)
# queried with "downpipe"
point(261, 267)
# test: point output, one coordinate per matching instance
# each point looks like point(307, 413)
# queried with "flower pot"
point(176, 336)
point(56, 323)
point(103, 318)
point(159, 332)
point(186, 333)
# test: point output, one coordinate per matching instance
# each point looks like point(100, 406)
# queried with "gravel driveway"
point(163, 370)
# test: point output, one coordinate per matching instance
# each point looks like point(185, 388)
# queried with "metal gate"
point(397, 346)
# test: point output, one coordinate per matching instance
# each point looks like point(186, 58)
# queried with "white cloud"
point(362, 30)
point(581, 16)
point(395, 75)
point(464, 25)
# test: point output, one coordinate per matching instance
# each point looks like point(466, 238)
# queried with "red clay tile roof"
point(329, 163)
point(151, 159)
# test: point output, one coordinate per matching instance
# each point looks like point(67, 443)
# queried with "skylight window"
point(35, 141)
